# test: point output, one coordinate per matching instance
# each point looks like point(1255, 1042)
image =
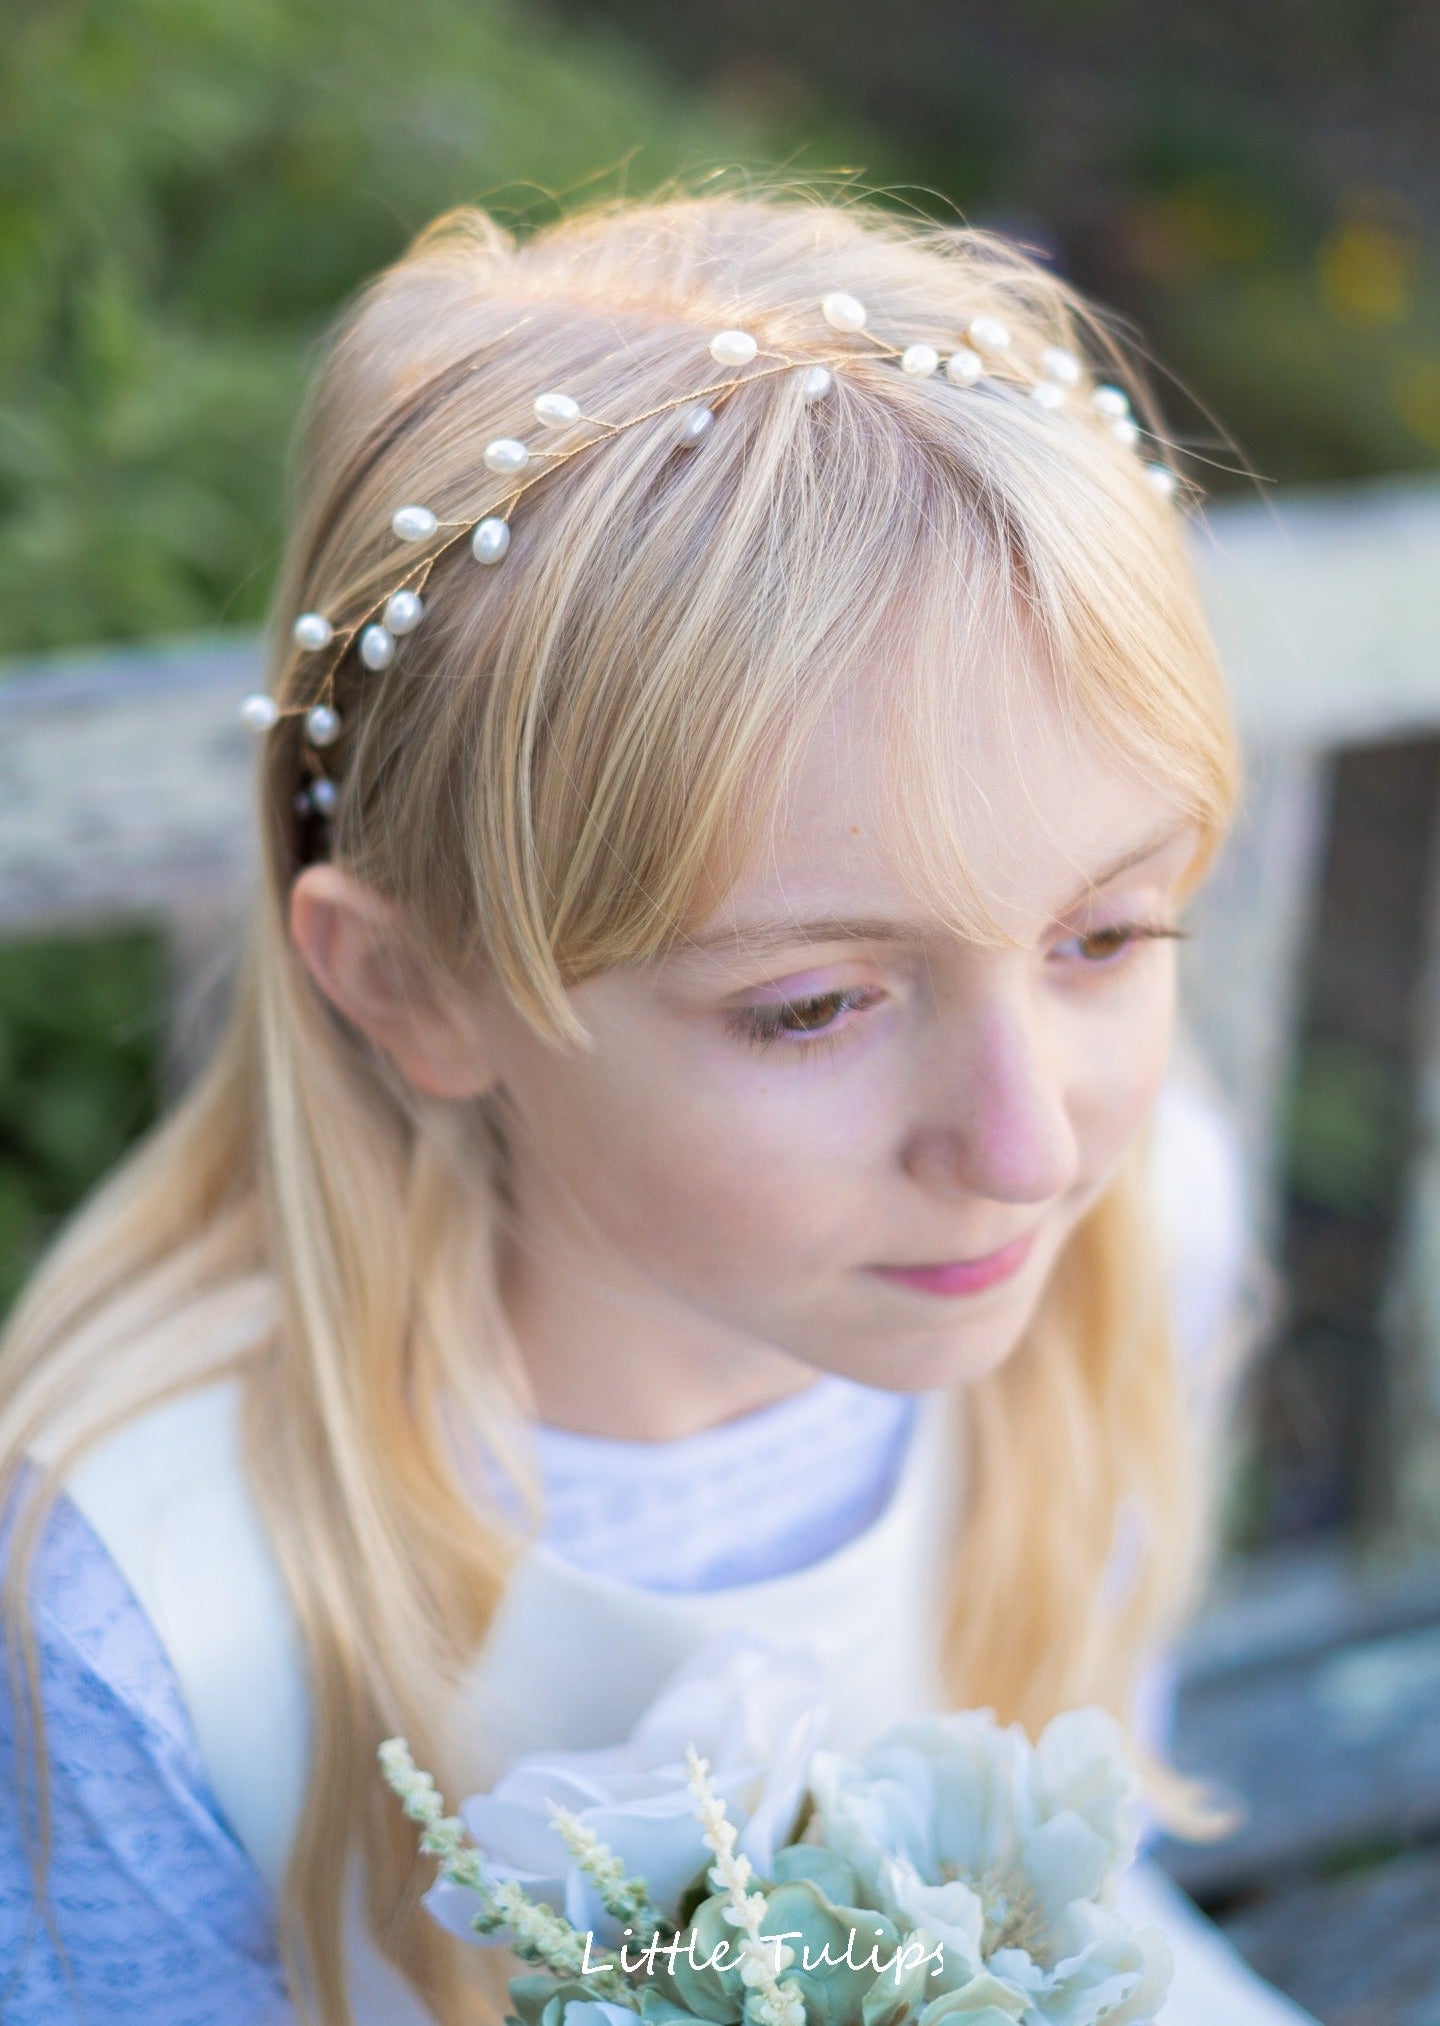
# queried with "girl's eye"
point(1109, 946)
point(797, 1023)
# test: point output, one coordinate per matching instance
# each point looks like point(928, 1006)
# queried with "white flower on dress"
point(1007, 1855)
point(755, 1711)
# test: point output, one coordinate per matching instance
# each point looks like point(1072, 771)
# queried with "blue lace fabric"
point(155, 1913)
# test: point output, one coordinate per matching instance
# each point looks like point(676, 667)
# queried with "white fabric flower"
point(755, 1711)
point(1008, 1856)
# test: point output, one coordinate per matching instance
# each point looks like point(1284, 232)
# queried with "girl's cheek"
point(746, 1171)
point(791, 1106)
point(758, 1169)
point(1125, 1065)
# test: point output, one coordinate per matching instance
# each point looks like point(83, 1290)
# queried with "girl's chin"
point(964, 1364)
point(923, 1363)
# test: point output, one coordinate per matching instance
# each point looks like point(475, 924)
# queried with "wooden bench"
point(1311, 1686)
point(1312, 1695)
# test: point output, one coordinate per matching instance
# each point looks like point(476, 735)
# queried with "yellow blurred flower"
point(1415, 390)
point(1366, 270)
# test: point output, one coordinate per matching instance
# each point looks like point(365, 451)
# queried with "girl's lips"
point(963, 1276)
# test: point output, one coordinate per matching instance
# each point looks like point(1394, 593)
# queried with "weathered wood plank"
point(1333, 1750)
point(124, 783)
point(1306, 1598)
point(1326, 605)
point(1358, 1950)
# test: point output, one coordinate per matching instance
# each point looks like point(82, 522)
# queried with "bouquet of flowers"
point(951, 1872)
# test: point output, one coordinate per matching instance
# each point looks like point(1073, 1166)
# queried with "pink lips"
point(963, 1276)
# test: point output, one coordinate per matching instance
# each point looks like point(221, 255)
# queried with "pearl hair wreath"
point(985, 351)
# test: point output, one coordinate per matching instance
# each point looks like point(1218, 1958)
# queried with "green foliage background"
point(1258, 187)
point(188, 188)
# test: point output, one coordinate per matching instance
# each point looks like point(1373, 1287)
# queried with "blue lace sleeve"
point(157, 1917)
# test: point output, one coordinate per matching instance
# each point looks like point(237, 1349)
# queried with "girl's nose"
point(994, 1122)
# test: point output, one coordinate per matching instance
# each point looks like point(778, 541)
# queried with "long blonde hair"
point(557, 767)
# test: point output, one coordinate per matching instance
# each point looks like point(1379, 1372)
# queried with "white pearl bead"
point(377, 647)
point(1058, 364)
point(964, 367)
point(506, 454)
point(403, 611)
point(490, 540)
point(989, 334)
point(414, 523)
point(843, 312)
point(312, 631)
point(733, 348)
point(1162, 478)
point(1047, 394)
point(322, 725)
point(259, 712)
point(1124, 431)
point(920, 360)
point(323, 796)
point(556, 411)
point(817, 383)
point(1111, 401)
point(695, 425)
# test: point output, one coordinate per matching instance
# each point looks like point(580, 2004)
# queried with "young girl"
point(740, 730)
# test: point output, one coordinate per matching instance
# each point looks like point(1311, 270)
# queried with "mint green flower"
point(1006, 1855)
point(540, 1999)
point(838, 1949)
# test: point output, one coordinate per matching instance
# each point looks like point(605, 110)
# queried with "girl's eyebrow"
point(783, 932)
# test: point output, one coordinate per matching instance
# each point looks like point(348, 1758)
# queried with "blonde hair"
point(562, 762)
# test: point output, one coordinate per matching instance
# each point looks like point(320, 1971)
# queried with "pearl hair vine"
point(984, 353)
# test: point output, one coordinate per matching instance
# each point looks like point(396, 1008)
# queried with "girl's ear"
point(350, 940)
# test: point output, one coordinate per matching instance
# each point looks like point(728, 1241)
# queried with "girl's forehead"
point(1025, 807)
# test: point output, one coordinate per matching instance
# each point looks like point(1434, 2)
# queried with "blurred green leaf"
point(186, 193)
point(81, 1039)
point(1346, 1128)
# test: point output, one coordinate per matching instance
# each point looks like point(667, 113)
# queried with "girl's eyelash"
point(764, 1026)
point(1122, 937)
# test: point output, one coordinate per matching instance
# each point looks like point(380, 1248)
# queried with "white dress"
point(573, 1657)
